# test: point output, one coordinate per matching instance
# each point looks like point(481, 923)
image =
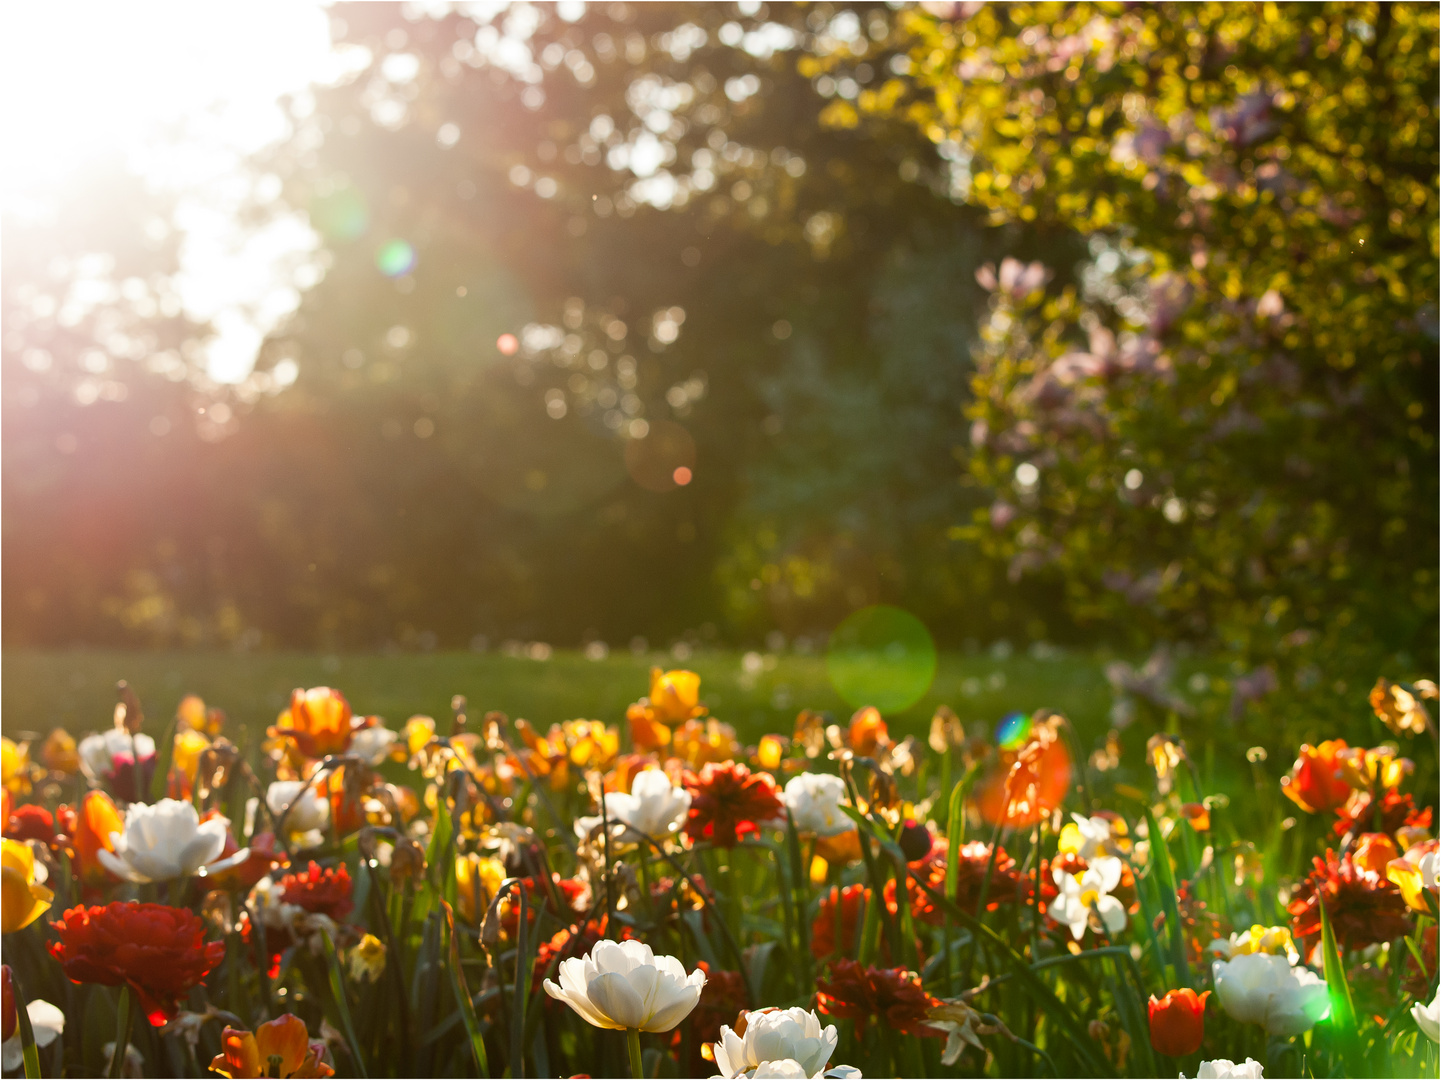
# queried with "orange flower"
point(841, 848)
point(728, 802)
point(98, 818)
point(893, 996)
point(646, 732)
point(674, 696)
point(280, 1048)
point(59, 752)
point(1365, 908)
point(1317, 782)
point(698, 742)
point(1025, 785)
point(1373, 851)
point(868, 731)
point(837, 924)
point(318, 722)
point(1197, 814)
point(1178, 1021)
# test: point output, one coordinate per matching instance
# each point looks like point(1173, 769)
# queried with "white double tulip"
point(1264, 989)
point(653, 809)
point(776, 1035)
point(1226, 1069)
point(624, 986)
point(102, 752)
point(372, 744)
point(305, 811)
point(1087, 892)
point(814, 800)
point(791, 1069)
point(1428, 1017)
point(166, 841)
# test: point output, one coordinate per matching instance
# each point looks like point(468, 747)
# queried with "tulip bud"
point(915, 840)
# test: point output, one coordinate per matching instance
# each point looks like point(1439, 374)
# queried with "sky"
point(82, 80)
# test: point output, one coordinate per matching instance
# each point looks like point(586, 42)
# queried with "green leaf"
point(1166, 880)
point(342, 1007)
point(462, 995)
point(164, 752)
point(28, 1049)
point(956, 831)
point(1343, 1009)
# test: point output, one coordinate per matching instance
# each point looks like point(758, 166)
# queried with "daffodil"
point(1081, 894)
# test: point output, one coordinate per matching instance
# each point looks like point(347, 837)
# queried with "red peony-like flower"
point(894, 996)
point(1178, 1021)
point(320, 892)
point(837, 925)
point(1008, 885)
point(728, 802)
point(160, 952)
point(1365, 908)
point(31, 822)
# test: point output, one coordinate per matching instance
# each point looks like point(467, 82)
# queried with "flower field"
point(473, 895)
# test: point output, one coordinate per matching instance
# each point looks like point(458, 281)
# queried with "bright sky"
point(82, 79)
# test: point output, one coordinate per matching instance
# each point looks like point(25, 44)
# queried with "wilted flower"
point(1178, 1021)
point(1365, 908)
point(1025, 785)
point(728, 802)
point(1166, 752)
point(962, 1024)
point(1398, 708)
point(367, 959)
point(775, 1035)
point(1226, 1069)
point(1081, 894)
point(624, 985)
point(1317, 782)
point(1428, 1018)
point(1258, 988)
point(24, 899)
point(892, 996)
point(946, 732)
point(814, 801)
point(159, 951)
point(280, 1048)
point(120, 759)
point(168, 841)
point(46, 1023)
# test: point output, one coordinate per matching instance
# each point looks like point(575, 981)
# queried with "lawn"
point(76, 689)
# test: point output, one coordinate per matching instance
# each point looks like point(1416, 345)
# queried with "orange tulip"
point(98, 818)
point(1317, 782)
point(1178, 1021)
point(868, 731)
point(1373, 851)
point(318, 722)
point(280, 1048)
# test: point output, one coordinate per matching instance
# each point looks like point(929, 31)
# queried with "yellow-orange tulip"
point(1317, 782)
point(280, 1048)
point(1373, 851)
point(477, 880)
point(24, 900)
point(15, 766)
point(97, 820)
point(675, 695)
point(59, 753)
point(1398, 708)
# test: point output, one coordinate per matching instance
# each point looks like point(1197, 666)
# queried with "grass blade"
point(462, 995)
point(342, 1007)
point(1343, 1009)
point(956, 829)
point(1166, 879)
point(31, 1054)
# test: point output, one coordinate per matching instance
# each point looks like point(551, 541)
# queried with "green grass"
point(76, 689)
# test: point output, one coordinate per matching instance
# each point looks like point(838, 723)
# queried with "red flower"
point(1178, 1021)
point(1365, 908)
point(893, 996)
point(728, 801)
point(721, 1002)
point(31, 822)
point(1317, 783)
point(566, 943)
point(837, 925)
point(1008, 885)
point(320, 892)
point(265, 856)
point(160, 952)
point(1397, 811)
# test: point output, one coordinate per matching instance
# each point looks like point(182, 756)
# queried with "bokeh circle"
point(882, 656)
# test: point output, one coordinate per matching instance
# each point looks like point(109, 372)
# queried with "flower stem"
point(632, 1041)
point(123, 1023)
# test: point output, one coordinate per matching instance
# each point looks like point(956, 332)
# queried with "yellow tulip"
point(477, 880)
point(15, 766)
point(23, 900)
point(675, 695)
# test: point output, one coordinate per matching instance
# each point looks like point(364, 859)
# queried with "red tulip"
point(1178, 1021)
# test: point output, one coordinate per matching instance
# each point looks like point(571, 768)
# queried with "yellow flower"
point(15, 766)
point(1362, 769)
point(1272, 940)
point(477, 880)
point(772, 750)
point(23, 900)
point(1409, 872)
point(675, 695)
point(189, 745)
point(1399, 708)
point(592, 745)
point(59, 752)
point(697, 742)
point(367, 959)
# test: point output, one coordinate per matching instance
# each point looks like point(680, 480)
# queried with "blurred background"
point(504, 328)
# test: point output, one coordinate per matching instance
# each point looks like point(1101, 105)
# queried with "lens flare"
point(681, 475)
point(1013, 731)
point(881, 656)
point(507, 344)
point(395, 259)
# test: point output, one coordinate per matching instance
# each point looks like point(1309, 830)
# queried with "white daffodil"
point(814, 800)
point(168, 841)
point(776, 1035)
point(305, 812)
point(1428, 1017)
point(102, 752)
point(1225, 1069)
point(1090, 891)
point(372, 744)
point(45, 1020)
point(654, 807)
point(625, 986)
point(1260, 988)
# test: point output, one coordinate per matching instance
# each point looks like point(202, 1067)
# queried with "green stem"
point(28, 1049)
point(122, 1031)
point(632, 1042)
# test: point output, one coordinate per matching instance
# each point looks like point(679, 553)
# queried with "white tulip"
point(791, 1069)
point(100, 753)
point(653, 809)
point(372, 744)
point(309, 811)
point(623, 985)
point(814, 800)
point(1086, 892)
point(775, 1035)
point(1428, 1017)
point(45, 1020)
point(1260, 988)
point(1225, 1069)
point(168, 841)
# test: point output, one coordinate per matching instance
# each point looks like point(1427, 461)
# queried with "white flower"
point(814, 800)
point(309, 811)
point(1090, 890)
point(1088, 837)
point(791, 1069)
point(45, 1020)
point(100, 753)
point(1259, 988)
point(168, 841)
point(653, 808)
point(622, 984)
point(775, 1035)
point(1428, 1017)
point(1430, 868)
point(1259, 939)
point(1225, 1069)
point(372, 744)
